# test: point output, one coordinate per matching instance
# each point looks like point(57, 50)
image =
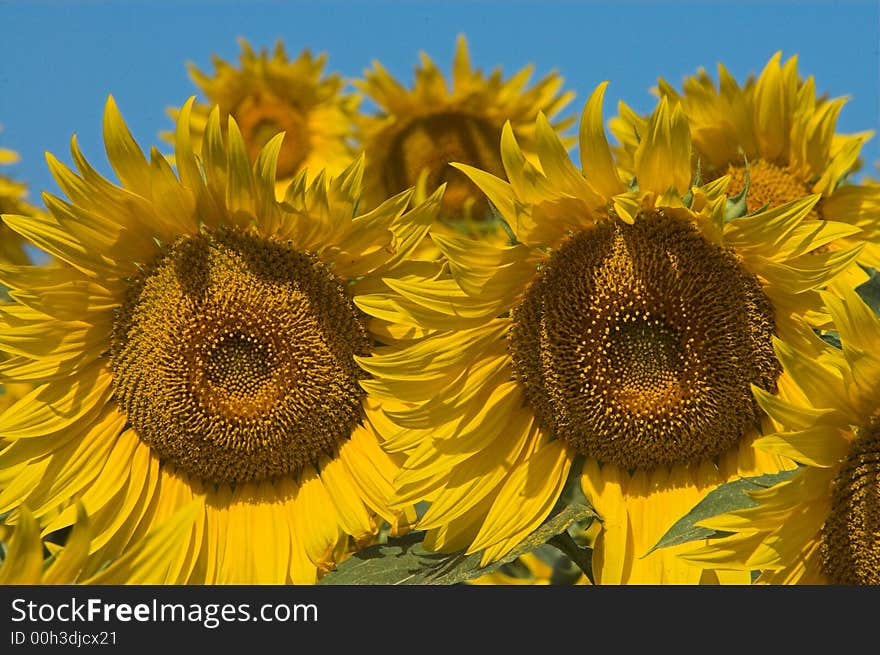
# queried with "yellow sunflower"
point(823, 525)
point(196, 339)
point(419, 131)
point(143, 563)
point(778, 132)
point(268, 94)
point(620, 327)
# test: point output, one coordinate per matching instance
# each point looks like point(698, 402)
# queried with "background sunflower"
point(268, 93)
point(418, 132)
point(13, 200)
point(776, 133)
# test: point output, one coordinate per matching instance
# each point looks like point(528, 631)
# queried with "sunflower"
point(618, 334)
point(143, 563)
point(419, 131)
point(196, 339)
point(779, 135)
point(822, 526)
point(268, 94)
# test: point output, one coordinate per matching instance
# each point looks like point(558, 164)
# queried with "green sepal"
point(869, 291)
point(688, 198)
point(736, 207)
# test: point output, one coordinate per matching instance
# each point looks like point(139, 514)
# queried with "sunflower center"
point(260, 117)
point(850, 544)
point(426, 148)
point(637, 344)
point(645, 358)
point(233, 354)
point(238, 373)
point(769, 185)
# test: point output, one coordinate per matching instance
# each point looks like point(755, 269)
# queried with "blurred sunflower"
point(267, 94)
point(779, 135)
point(622, 328)
point(823, 525)
point(419, 131)
point(196, 339)
point(532, 569)
point(13, 200)
point(143, 563)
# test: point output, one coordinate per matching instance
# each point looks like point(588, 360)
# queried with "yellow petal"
point(240, 181)
point(316, 520)
point(768, 230)
point(613, 549)
point(371, 470)
point(663, 158)
point(479, 475)
point(184, 155)
point(596, 160)
point(147, 563)
point(124, 155)
point(822, 446)
point(353, 516)
point(499, 192)
point(58, 405)
point(526, 498)
point(66, 566)
point(23, 563)
point(109, 487)
point(771, 111)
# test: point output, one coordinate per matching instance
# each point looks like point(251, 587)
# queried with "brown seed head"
point(637, 344)
point(233, 354)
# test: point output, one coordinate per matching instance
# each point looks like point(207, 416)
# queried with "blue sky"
point(61, 59)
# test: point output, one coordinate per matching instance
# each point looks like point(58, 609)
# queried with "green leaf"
point(403, 560)
point(729, 497)
point(830, 337)
point(870, 290)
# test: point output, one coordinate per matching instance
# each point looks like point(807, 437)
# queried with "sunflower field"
point(453, 329)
